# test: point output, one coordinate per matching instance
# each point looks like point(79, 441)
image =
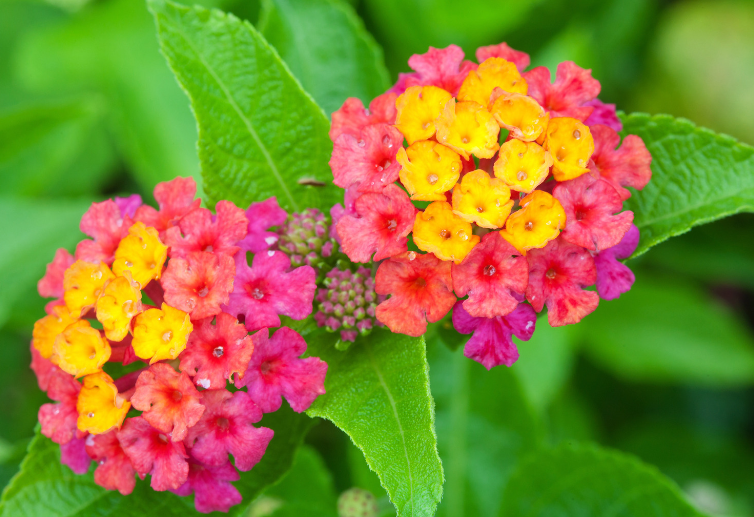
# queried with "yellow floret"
point(81, 349)
point(142, 253)
point(438, 230)
point(468, 128)
point(523, 166)
point(119, 302)
point(571, 145)
point(83, 282)
point(482, 200)
point(99, 406)
point(49, 327)
point(418, 107)
point(161, 333)
point(495, 72)
point(539, 221)
point(521, 115)
point(428, 170)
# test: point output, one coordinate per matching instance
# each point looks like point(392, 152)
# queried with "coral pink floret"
point(628, 166)
point(494, 276)
point(152, 452)
point(492, 343)
point(73, 455)
point(557, 274)
point(58, 420)
point(573, 87)
point(502, 50)
point(352, 117)
point(200, 283)
point(267, 289)
point(421, 290)
point(226, 428)
point(104, 223)
point(589, 205)
point(276, 370)
point(262, 216)
point(613, 277)
point(441, 67)
point(168, 399)
point(43, 368)
point(211, 487)
point(51, 285)
point(367, 159)
point(175, 199)
point(114, 470)
point(380, 227)
point(215, 352)
point(203, 231)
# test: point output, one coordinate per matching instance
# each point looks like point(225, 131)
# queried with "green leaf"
point(585, 480)
point(54, 149)
point(698, 176)
point(378, 393)
point(46, 487)
point(325, 45)
point(665, 331)
point(485, 424)
point(260, 133)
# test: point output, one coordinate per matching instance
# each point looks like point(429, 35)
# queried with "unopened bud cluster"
point(306, 238)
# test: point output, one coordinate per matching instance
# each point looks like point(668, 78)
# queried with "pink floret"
point(51, 285)
point(352, 117)
point(494, 276)
point(104, 223)
point(152, 452)
point(603, 114)
point(200, 283)
point(128, 205)
point(226, 428)
point(262, 216)
point(175, 199)
point(267, 289)
point(628, 166)
point(43, 368)
point(211, 487)
point(203, 231)
point(557, 275)
point(73, 455)
point(613, 277)
point(441, 67)
point(573, 87)
point(492, 343)
point(502, 50)
point(276, 370)
point(114, 470)
point(589, 205)
point(58, 420)
point(367, 159)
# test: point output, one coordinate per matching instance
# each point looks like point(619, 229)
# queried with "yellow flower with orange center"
point(418, 107)
point(494, 72)
point(521, 115)
point(438, 230)
point(99, 406)
point(468, 128)
point(119, 302)
point(161, 333)
point(571, 145)
point(80, 349)
point(523, 166)
point(428, 170)
point(49, 327)
point(482, 200)
point(142, 253)
point(537, 222)
point(83, 283)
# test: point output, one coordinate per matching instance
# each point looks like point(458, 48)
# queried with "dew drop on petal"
point(361, 143)
point(218, 352)
point(257, 293)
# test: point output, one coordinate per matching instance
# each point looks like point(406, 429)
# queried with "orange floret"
point(142, 253)
point(523, 166)
point(438, 230)
point(83, 282)
point(539, 221)
point(49, 327)
point(428, 170)
point(81, 349)
point(99, 406)
point(482, 200)
point(119, 302)
point(494, 72)
point(161, 333)
point(571, 145)
point(468, 128)
point(418, 107)
point(521, 115)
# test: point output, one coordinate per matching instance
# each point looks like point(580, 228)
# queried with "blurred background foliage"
point(88, 109)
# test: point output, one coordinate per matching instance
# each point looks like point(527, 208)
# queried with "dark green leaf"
point(378, 393)
point(260, 134)
point(697, 176)
point(586, 481)
point(325, 45)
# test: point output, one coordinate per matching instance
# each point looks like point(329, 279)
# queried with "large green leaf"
point(46, 488)
point(586, 481)
point(260, 133)
point(666, 331)
point(485, 424)
point(327, 48)
point(378, 393)
point(697, 176)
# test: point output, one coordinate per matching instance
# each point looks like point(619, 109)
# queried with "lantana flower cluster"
point(510, 187)
point(169, 294)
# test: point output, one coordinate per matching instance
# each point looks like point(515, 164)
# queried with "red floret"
point(114, 470)
point(211, 487)
point(352, 117)
point(573, 87)
point(200, 283)
point(367, 159)
point(441, 67)
point(502, 50)
point(628, 166)
point(104, 223)
point(203, 231)
point(58, 420)
point(175, 199)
